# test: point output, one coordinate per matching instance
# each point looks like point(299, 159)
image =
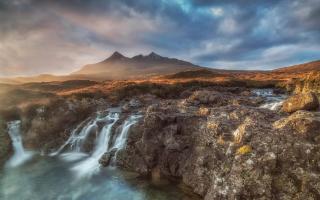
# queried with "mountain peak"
point(154, 56)
point(116, 56)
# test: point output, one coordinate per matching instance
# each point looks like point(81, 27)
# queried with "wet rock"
point(5, 144)
point(304, 101)
point(132, 104)
point(107, 157)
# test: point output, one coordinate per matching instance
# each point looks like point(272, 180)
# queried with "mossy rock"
point(245, 149)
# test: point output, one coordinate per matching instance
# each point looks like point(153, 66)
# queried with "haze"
point(60, 37)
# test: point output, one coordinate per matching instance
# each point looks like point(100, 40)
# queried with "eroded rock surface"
point(227, 151)
point(303, 101)
point(5, 144)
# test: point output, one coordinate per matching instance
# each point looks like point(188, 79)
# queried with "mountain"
point(301, 68)
point(118, 66)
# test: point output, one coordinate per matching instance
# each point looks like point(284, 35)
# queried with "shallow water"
point(273, 101)
point(48, 178)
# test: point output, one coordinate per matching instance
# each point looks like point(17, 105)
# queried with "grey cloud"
point(60, 36)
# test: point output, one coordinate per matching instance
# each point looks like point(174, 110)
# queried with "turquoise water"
point(50, 178)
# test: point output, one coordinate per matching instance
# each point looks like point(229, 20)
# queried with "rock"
point(106, 158)
point(5, 144)
point(310, 83)
point(215, 98)
point(132, 104)
point(231, 152)
point(304, 101)
point(304, 123)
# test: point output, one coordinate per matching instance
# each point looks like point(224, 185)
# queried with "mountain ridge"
point(118, 66)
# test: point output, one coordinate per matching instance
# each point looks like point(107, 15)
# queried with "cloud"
point(44, 36)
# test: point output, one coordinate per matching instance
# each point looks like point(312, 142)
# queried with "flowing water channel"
point(70, 173)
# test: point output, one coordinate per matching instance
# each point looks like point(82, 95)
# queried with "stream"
point(72, 174)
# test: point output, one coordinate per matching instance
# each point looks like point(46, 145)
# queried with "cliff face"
point(5, 143)
point(234, 151)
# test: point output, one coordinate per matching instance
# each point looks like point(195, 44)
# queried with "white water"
point(77, 139)
point(272, 105)
point(122, 138)
point(91, 165)
point(73, 137)
point(20, 155)
point(274, 102)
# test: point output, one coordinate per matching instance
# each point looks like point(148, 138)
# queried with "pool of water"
point(50, 178)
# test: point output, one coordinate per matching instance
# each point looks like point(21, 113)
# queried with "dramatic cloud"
point(45, 36)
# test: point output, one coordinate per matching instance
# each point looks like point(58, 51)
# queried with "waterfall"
point(91, 165)
point(20, 155)
point(77, 139)
point(122, 137)
point(273, 102)
point(103, 143)
point(272, 105)
point(71, 140)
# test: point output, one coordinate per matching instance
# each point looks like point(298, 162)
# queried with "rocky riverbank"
point(222, 142)
point(224, 146)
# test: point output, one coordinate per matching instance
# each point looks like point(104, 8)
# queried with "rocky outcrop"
point(5, 144)
point(215, 98)
point(303, 123)
point(47, 127)
point(105, 160)
point(310, 83)
point(230, 152)
point(304, 101)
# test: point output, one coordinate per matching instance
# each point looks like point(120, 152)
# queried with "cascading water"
point(122, 137)
point(272, 105)
point(20, 155)
point(72, 139)
point(79, 135)
point(91, 165)
point(77, 139)
point(49, 178)
point(274, 102)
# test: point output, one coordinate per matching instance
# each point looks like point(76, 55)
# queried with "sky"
point(60, 36)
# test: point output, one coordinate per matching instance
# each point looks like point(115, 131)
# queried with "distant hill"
point(118, 66)
point(301, 68)
point(202, 73)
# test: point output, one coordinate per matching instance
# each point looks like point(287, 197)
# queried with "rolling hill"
point(301, 68)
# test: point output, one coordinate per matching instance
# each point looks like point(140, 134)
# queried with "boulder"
point(303, 123)
point(107, 157)
point(304, 101)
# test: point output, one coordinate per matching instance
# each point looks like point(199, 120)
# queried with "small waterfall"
point(91, 165)
point(103, 143)
point(77, 139)
point(272, 105)
point(273, 102)
point(122, 137)
point(20, 155)
point(71, 140)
